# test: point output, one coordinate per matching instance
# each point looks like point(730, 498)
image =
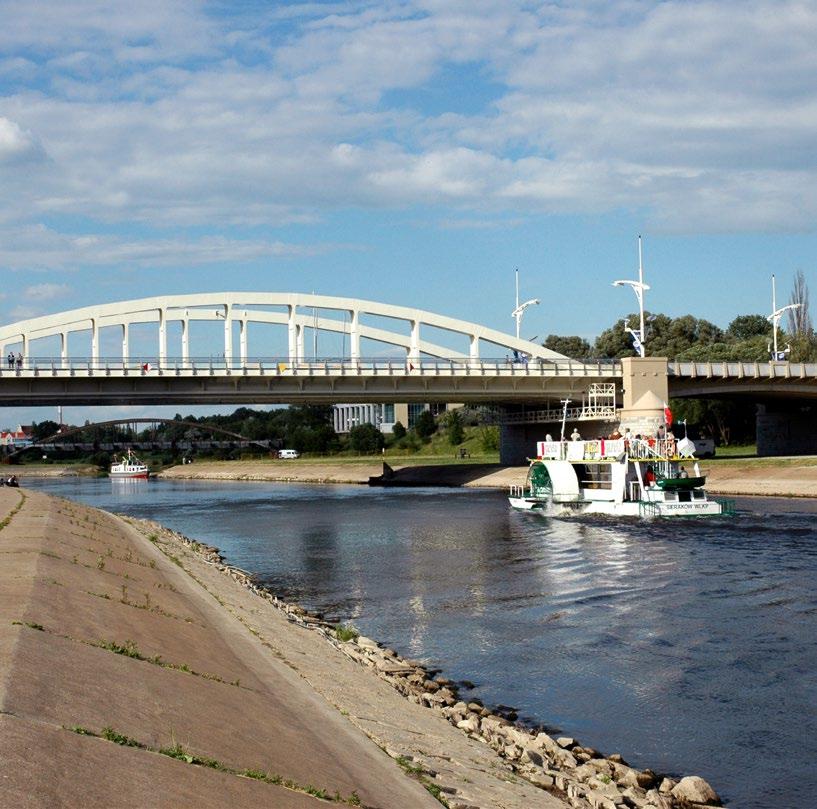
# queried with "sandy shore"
point(784, 477)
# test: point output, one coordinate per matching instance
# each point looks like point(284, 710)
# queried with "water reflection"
point(686, 646)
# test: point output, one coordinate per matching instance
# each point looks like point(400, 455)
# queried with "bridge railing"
point(742, 370)
point(283, 366)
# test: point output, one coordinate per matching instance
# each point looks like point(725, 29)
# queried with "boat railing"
point(594, 450)
point(652, 448)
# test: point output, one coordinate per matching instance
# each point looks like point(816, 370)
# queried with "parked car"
point(704, 447)
point(288, 453)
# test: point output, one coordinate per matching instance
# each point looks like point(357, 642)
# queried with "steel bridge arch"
point(229, 307)
point(61, 434)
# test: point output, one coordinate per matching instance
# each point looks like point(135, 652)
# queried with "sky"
point(412, 152)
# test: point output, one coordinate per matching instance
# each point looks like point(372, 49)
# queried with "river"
point(686, 646)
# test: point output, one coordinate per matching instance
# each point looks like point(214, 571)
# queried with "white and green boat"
point(620, 478)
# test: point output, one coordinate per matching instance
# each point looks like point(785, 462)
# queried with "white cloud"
point(703, 114)
point(43, 249)
point(16, 145)
point(46, 292)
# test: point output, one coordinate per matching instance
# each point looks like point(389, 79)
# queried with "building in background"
point(15, 439)
point(383, 416)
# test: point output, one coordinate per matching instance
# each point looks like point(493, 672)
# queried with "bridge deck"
point(275, 380)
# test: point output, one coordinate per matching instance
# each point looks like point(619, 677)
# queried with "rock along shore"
point(763, 477)
point(137, 668)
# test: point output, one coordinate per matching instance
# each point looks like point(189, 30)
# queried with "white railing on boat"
point(607, 449)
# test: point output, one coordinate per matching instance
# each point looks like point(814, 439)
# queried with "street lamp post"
point(520, 307)
point(639, 287)
point(774, 317)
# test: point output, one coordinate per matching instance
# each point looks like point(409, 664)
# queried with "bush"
point(456, 432)
point(366, 439)
point(489, 436)
point(398, 430)
point(425, 426)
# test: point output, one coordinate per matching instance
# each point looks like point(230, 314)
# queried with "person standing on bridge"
point(10, 359)
point(19, 362)
point(575, 435)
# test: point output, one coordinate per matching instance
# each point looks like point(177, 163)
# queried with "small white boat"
point(129, 467)
point(621, 478)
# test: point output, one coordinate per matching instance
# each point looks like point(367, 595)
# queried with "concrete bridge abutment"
point(786, 429)
point(645, 391)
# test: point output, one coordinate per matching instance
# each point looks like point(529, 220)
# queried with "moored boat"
point(129, 466)
point(621, 478)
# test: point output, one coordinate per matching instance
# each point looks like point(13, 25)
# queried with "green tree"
point(489, 437)
point(43, 429)
point(571, 346)
point(425, 426)
point(454, 428)
point(744, 327)
point(398, 430)
point(366, 439)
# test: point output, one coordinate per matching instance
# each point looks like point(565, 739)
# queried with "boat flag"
point(146, 366)
point(667, 415)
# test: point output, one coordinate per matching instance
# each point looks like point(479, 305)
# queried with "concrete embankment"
point(51, 470)
point(751, 477)
point(137, 669)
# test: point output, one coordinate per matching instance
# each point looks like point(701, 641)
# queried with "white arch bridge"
point(395, 354)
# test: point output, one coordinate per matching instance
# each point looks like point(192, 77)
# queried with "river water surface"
point(688, 647)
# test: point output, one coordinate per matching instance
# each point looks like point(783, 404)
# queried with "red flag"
point(146, 367)
point(667, 415)
point(411, 367)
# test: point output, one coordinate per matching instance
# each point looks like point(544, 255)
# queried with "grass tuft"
point(346, 632)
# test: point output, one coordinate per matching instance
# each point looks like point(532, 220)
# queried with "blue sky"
point(409, 152)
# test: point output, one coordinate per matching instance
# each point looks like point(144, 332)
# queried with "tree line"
point(748, 338)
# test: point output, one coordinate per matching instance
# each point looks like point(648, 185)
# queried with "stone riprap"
point(580, 776)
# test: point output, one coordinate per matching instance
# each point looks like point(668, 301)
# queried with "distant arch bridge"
point(490, 367)
point(65, 439)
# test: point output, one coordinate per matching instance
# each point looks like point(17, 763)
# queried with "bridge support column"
point(243, 340)
point(94, 341)
point(645, 390)
point(299, 343)
point(162, 337)
point(517, 442)
point(473, 349)
point(228, 335)
point(125, 344)
point(414, 349)
point(292, 335)
point(185, 340)
point(786, 429)
point(354, 335)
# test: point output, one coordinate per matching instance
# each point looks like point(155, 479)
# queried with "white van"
point(288, 453)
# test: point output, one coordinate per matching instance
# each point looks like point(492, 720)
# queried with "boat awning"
point(563, 479)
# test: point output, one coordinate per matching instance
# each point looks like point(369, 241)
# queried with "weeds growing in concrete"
point(29, 624)
point(346, 632)
point(178, 752)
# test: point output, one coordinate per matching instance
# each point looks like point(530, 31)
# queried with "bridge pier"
point(785, 429)
point(645, 391)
